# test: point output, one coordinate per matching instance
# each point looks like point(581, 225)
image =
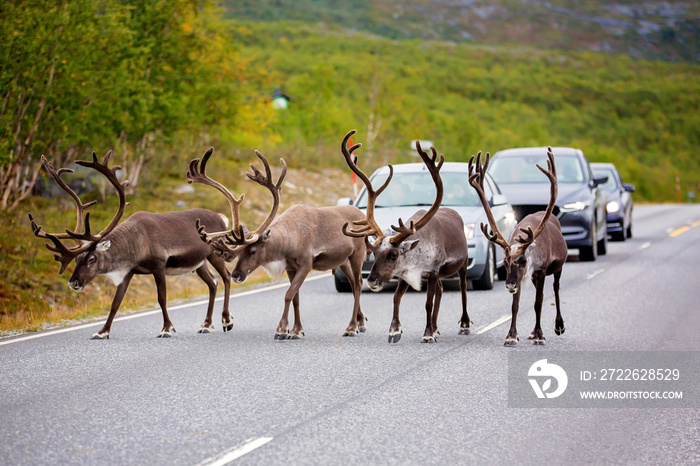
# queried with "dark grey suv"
point(580, 205)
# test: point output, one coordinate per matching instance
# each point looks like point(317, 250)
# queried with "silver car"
point(412, 188)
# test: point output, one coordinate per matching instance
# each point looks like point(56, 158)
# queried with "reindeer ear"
point(408, 246)
point(103, 246)
point(266, 236)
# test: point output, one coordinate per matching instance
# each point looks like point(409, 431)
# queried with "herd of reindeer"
point(429, 247)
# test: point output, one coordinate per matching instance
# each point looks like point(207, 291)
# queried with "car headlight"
point(574, 206)
point(469, 231)
point(612, 206)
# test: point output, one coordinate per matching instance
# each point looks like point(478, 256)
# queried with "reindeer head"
point(392, 255)
point(518, 251)
point(238, 241)
point(89, 249)
point(90, 264)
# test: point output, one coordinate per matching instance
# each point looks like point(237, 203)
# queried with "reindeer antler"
point(434, 169)
point(368, 226)
point(197, 173)
point(274, 188)
point(86, 239)
point(477, 182)
point(530, 236)
point(228, 242)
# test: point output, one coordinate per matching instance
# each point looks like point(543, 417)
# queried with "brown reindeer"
point(536, 249)
point(432, 247)
point(300, 240)
point(144, 244)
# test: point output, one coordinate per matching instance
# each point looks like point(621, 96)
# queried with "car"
point(581, 200)
point(412, 188)
point(619, 205)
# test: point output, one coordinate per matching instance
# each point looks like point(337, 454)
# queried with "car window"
point(523, 169)
point(418, 189)
point(610, 185)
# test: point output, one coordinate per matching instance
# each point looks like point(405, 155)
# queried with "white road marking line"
point(156, 311)
point(493, 324)
point(236, 453)
point(644, 246)
point(595, 274)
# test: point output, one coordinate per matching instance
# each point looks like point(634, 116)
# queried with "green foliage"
point(133, 75)
point(640, 115)
point(660, 31)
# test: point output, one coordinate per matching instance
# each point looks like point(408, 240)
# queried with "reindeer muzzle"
point(238, 277)
point(75, 285)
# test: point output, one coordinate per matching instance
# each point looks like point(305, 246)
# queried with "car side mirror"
point(598, 180)
point(498, 199)
point(629, 187)
point(344, 201)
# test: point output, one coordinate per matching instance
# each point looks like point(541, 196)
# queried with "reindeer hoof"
point(363, 329)
point(166, 334)
point(511, 341)
point(538, 341)
point(98, 336)
point(227, 324)
point(559, 330)
point(280, 336)
point(351, 333)
point(294, 336)
point(206, 329)
point(428, 340)
point(395, 337)
point(465, 331)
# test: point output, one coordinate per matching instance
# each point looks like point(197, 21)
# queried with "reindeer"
point(144, 244)
point(433, 246)
point(300, 240)
point(536, 249)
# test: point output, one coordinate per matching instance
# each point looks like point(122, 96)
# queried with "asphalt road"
point(209, 399)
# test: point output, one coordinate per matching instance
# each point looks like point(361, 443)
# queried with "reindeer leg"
point(103, 333)
point(537, 336)
point(436, 307)
point(429, 333)
point(395, 330)
point(168, 329)
point(282, 332)
point(512, 337)
point(464, 322)
point(356, 261)
point(293, 293)
point(559, 321)
point(353, 327)
point(220, 266)
point(208, 278)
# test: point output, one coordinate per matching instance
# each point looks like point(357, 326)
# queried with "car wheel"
point(617, 236)
point(341, 286)
point(629, 230)
point(485, 282)
point(590, 253)
point(603, 245)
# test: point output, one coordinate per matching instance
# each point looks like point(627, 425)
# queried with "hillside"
point(668, 30)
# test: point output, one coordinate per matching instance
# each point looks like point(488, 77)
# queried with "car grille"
point(522, 211)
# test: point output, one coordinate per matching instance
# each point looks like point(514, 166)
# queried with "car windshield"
point(610, 185)
point(523, 169)
point(418, 189)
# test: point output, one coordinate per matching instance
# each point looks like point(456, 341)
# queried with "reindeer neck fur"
point(412, 266)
